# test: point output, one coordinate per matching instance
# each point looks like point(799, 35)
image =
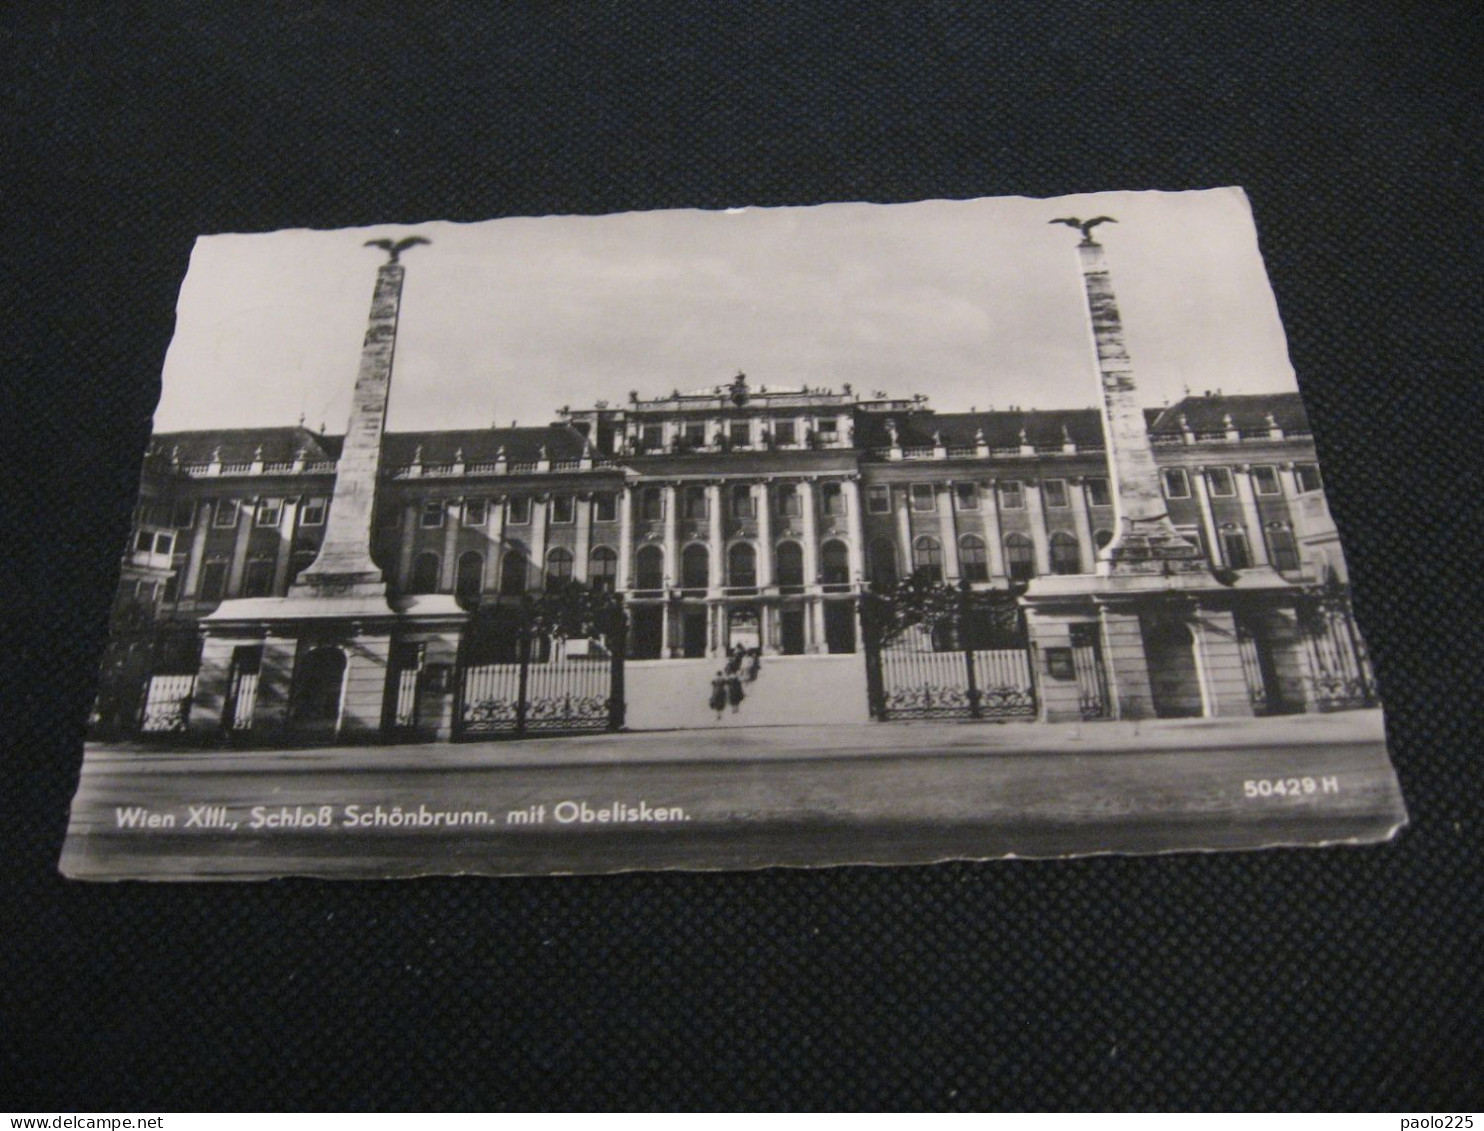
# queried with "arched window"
point(1281, 547)
point(470, 578)
point(318, 679)
point(742, 566)
point(787, 496)
point(1065, 556)
point(695, 567)
point(695, 502)
point(1020, 557)
point(604, 568)
point(789, 559)
point(832, 499)
point(743, 503)
point(513, 571)
point(1323, 571)
point(653, 504)
point(927, 558)
point(213, 579)
point(424, 573)
point(972, 559)
point(558, 567)
point(258, 580)
point(651, 571)
point(834, 563)
point(884, 561)
point(1102, 538)
point(1234, 546)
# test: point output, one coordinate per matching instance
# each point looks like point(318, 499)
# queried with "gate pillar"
point(1056, 676)
point(1226, 691)
point(1128, 667)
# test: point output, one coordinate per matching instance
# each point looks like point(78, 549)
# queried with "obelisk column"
point(1145, 541)
point(344, 564)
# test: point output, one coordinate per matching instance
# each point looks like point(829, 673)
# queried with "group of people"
point(742, 666)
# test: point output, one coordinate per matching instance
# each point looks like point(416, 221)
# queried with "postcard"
point(845, 534)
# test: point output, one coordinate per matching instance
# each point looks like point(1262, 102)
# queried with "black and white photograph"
point(842, 534)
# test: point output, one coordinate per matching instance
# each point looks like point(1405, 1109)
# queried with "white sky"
point(974, 303)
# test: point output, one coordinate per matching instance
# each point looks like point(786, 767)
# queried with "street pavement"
point(883, 793)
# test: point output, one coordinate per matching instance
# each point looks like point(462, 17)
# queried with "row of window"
point(257, 576)
point(1220, 484)
point(741, 565)
point(1010, 492)
point(267, 512)
point(739, 433)
point(695, 503)
point(563, 510)
point(649, 572)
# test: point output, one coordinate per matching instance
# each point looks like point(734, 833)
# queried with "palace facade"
point(727, 514)
point(887, 560)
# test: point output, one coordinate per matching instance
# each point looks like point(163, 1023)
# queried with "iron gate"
point(1339, 666)
point(1092, 675)
point(523, 671)
point(937, 652)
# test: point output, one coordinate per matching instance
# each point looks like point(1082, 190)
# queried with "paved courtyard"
point(743, 797)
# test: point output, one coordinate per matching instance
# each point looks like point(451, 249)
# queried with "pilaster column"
point(247, 512)
point(539, 505)
point(947, 531)
point(994, 532)
point(409, 538)
point(1087, 551)
point(1256, 536)
point(448, 562)
point(287, 520)
point(857, 547)
point(816, 624)
point(811, 538)
point(1289, 480)
point(494, 535)
point(1197, 476)
point(584, 515)
point(714, 544)
point(202, 526)
point(901, 493)
point(1037, 515)
point(764, 539)
point(625, 536)
point(672, 536)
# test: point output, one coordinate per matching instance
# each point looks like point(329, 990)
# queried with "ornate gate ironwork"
point(1092, 674)
point(167, 704)
point(1339, 665)
point(550, 666)
point(937, 652)
point(147, 681)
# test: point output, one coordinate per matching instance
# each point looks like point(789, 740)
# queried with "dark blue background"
point(1345, 978)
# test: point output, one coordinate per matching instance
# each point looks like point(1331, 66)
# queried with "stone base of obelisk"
point(352, 667)
point(1150, 547)
point(1136, 644)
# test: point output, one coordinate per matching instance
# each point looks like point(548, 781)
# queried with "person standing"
point(719, 694)
point(754, 663)
point(735, 694)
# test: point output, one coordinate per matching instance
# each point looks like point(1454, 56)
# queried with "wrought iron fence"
point(933, 652)
point(1339, 665)
point(167, 704)
point(543, 670)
